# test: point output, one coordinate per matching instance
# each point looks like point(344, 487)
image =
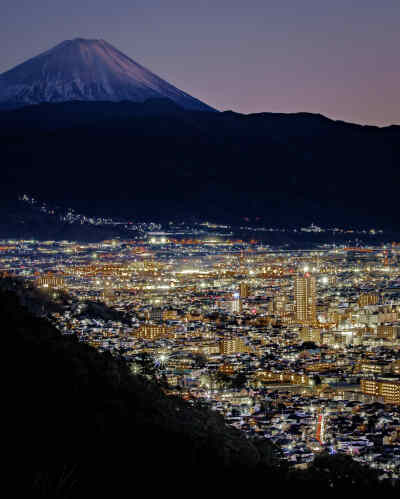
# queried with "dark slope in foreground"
point(67, 403)
point(73, 402)
point(155, 157)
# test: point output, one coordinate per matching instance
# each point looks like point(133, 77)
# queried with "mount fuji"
point(87, 70)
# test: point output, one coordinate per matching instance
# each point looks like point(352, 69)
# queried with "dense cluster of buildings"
point(298, 346)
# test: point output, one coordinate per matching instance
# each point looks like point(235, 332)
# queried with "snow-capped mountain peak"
point(87, 70)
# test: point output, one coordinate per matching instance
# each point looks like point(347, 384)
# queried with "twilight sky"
point(335, 57)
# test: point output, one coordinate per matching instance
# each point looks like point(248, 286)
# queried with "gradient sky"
point(335, 57)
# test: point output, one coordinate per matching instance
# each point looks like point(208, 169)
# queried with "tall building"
point(305, 298)
point(236, 304)
point(244, 290)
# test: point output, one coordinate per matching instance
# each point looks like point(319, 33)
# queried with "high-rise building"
point(236, 304)
point(305, 298)
point(244, 290)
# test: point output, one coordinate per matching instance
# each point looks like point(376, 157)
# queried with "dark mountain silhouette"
point(132, 159)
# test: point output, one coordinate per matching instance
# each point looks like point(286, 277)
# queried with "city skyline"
point(298, 347)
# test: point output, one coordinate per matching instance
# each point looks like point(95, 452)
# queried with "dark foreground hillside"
point(72, 400)
point(67, 403)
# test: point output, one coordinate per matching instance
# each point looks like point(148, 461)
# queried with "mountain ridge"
point(289, 169)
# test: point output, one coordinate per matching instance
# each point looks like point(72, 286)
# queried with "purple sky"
point(335, 57)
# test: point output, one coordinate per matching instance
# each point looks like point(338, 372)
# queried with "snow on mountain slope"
point(87, 70)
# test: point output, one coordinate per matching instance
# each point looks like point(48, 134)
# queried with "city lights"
point(238, 324)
